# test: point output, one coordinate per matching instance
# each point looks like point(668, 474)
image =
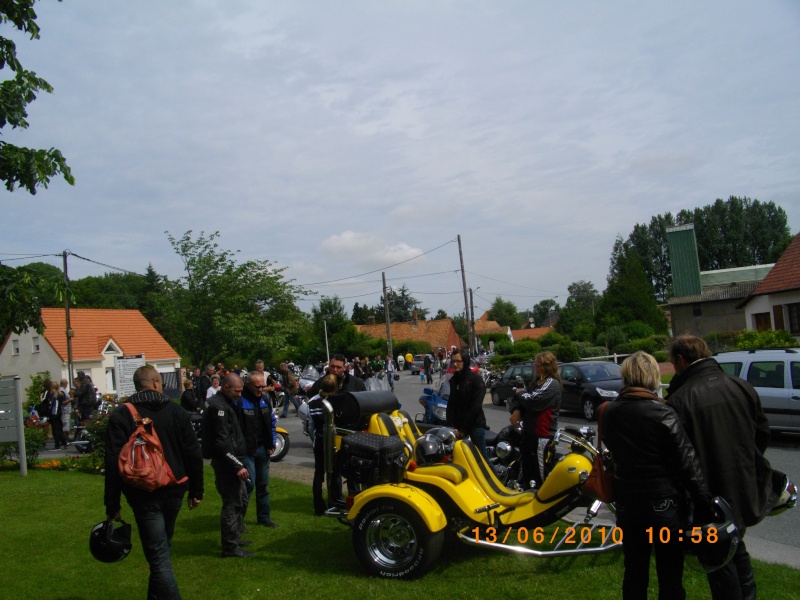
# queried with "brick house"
point(99, 336)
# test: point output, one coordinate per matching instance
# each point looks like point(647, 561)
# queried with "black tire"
point(281, 447)
point(392, 541)
point(589, 409)
point(496, 399)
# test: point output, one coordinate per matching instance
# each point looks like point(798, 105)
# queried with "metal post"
point(69, 332)
point(327, 352)
point(23, 453)
point(386, 316)
point(471, 330)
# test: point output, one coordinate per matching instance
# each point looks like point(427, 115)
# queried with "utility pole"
point(473, 349)
point(386, 316)
point(70, 333)
point(470, 327)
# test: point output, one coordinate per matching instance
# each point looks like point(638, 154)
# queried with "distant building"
point(775, 302)
point(439, 333)
point(99, 336)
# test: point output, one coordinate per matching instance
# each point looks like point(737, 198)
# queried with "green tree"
point(361, 314)
point(505, 313)
point(440, 314)
point(576, 319)
point(629, 295)
point(22, 167)
point(736, 232)
point(402, 306)
point(221, 307)
point(541, 310)
point(24, 290)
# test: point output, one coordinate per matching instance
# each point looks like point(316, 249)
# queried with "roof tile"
point(785, 275)
point(129, 330)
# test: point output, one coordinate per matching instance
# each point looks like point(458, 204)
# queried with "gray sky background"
point(338, 138)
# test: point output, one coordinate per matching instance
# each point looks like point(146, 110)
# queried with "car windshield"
point(601, 372)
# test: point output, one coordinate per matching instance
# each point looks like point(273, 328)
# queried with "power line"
point(515, 284)
point(103, 264)
point(377, 270)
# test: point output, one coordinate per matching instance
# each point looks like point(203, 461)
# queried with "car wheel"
point(281, 447)
point(392, 541)
point(589, 409)
point(496, 399)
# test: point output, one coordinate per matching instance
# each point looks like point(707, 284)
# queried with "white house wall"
point(28, 363)
point(764, 304)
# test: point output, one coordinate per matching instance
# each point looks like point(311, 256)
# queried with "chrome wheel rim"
point(391, 541)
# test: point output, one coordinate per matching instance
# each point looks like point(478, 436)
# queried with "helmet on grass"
point(109, 544)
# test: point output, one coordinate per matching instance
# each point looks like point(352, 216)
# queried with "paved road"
point(776, 539)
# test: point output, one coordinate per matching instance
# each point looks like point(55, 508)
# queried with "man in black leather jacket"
point(224, 444)
point(723, 418)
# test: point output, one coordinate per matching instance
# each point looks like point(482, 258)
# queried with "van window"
point(796, 375)
point(733, 368)
point(768, 374)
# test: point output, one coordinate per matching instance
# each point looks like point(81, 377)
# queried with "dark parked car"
point(586, 385)
point(501, 388)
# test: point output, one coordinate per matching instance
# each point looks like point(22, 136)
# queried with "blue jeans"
point(155, 520)
point(258, 467)
point(478, 437)
point(286, 400)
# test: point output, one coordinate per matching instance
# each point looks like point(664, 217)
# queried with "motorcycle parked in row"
point(281, 436)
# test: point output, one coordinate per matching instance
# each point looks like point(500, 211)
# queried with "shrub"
point(722, 341)
point(566, 351)
point(612, 338)
point(584, 333)
point(551, 338)
point(661, 356)
point(586, 350)
point(637, 330)
point(35, 440)
point(408, 346)
point(752, 339)
point(503, 347)
point(34, 390)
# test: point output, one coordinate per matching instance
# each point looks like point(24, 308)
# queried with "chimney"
point(371, 320)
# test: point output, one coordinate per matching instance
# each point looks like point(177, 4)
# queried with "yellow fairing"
point(425, 506)
point(565, 475)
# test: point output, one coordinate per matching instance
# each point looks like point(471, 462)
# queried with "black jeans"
point(530, 459)
point(648, 525)
point(735, 580)
point(155, 520)
point(232, 491)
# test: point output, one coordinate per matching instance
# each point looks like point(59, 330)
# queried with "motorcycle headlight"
point(441, 413)
point(502, 449)
point(607, 393)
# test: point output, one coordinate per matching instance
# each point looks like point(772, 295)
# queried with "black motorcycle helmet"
point(718, 540)
point(446, 436)
point(429, 450)
point(109, 544)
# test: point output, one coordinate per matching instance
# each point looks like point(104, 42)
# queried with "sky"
point(342, 140)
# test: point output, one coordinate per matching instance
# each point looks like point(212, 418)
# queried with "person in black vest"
point(85, 397)
point(155, 512)
point(224, 444)
point(204, 384)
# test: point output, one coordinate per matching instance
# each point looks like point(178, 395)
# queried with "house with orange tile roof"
point(99, 336)
point(439, 333)
point(775, 302)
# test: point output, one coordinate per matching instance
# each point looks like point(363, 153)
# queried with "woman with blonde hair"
point(654, 467)
point(538, 411)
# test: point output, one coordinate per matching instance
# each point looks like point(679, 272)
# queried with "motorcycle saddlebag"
point(370, 459)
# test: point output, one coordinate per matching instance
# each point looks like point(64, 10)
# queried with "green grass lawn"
point(46, 518)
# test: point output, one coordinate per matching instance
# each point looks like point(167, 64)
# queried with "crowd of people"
point(670, 457)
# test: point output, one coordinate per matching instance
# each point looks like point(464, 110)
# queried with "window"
point(35, 344)
point(796, 375)
point(697, 310)
point(732, 368)
point(762, 321)
point(794, 317)
point(15, 347)
point(768, 374)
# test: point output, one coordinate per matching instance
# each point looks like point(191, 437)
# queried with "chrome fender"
point(422, 503)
